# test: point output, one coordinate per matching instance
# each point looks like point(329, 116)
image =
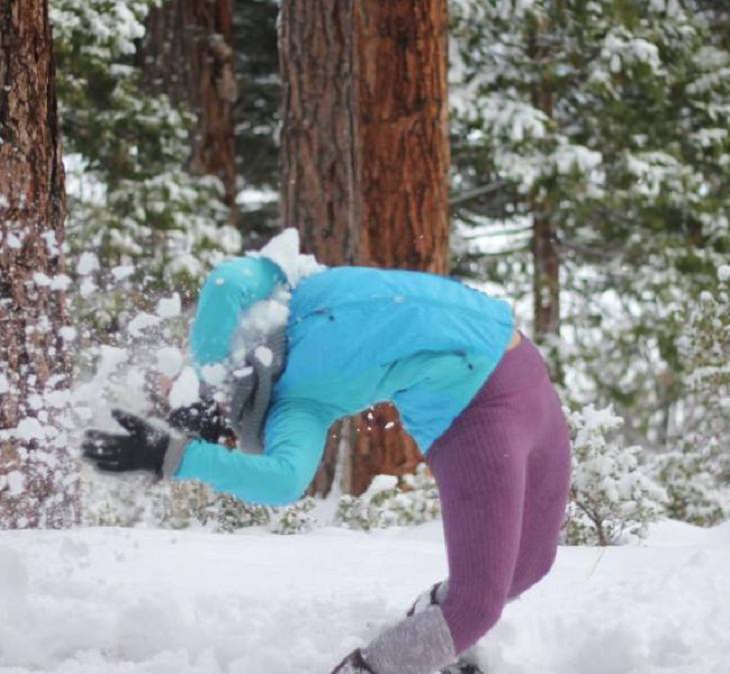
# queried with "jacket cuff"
point(174, 454)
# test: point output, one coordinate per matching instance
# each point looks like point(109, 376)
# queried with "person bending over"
point(473, 392)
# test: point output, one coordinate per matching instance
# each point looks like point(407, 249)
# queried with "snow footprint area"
point(163, 602)
point(113, 600)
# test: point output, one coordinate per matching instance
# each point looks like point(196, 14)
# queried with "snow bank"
point(160, 602)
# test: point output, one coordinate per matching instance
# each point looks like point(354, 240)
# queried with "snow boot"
point(462, 667)
point(353, 664)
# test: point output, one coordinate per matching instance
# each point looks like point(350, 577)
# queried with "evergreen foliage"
point(611, 494)
point(131, 200)
point(389, 503)
point(611, 119)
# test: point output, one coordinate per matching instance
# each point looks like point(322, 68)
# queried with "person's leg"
point(480, 466)
point(480, 473)
point(481, 476)
point(546, 496)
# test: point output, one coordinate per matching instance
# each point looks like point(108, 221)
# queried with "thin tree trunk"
point(188, 55)
point(546, 277)
point(365, 159)
point(36, 485)
point(546, 263)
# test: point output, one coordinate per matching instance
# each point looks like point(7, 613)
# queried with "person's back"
point(361, 335)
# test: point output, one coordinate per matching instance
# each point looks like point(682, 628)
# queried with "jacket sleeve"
point(230, 289)
point(294, 438)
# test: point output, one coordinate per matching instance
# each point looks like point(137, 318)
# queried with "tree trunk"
point(36, 483)
point(546, 263)
point(188, 55)
point(365, 159)
point(545, 279)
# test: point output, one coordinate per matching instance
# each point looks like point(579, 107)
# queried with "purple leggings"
point(503, 472)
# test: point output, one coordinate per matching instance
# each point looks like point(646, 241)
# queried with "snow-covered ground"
point(141, 601)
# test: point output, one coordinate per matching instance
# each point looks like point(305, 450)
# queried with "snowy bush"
point(705, 348)
point(388, 502)
point(690, 479)
point(611, 495)
point(297, 518)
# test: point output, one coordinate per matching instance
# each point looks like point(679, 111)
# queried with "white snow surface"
point(143, 601)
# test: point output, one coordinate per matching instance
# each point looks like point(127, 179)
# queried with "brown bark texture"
point(546, 279)
point(188, 55)
point(546, 262)
point(34, 364)
point(365, 160)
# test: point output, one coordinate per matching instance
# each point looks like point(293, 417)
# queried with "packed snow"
point(143, 601)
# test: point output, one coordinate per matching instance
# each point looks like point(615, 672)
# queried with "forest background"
point(587, 171)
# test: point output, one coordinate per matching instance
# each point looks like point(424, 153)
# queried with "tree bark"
point(188, 55)
point(365, 159)
point(546, 263)
point(36, 485)
point(546, 277)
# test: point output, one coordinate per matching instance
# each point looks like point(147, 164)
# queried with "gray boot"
point(353, 664)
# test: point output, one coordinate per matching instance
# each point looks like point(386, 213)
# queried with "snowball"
point(60, 282)
point(169, 360)
point(141, 322)
point(4, 385)
point(186, 389)
point(122, 271)
point(30, 428)
point(87, 263)
point(723, 273)
point(214, 374)
point(169, 307)
point(15, 481)
point(110, 357)
point(51, 243)
point(67, 333)
point(41, 280)
point(87, 287)
point(266, 316)
point(283, 249)
point(264, 355)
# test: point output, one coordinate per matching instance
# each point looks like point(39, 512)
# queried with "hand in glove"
point(143, 448)
point(203, 419)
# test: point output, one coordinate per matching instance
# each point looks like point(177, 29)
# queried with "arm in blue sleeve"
point(294, 437)
point(230, 289)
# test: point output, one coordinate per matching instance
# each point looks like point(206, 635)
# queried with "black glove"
point(142, 449)
point(203, 419)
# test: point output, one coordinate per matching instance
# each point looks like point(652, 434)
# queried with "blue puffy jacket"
point(356, 336)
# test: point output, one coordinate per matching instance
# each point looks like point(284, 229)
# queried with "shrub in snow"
point(390, 502)
point(112, 501)
point(231, 514)
point(690, 479)
point(297, 518)
point(611, 494)
point(704, 347)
